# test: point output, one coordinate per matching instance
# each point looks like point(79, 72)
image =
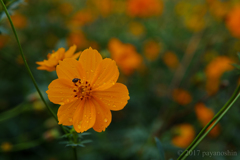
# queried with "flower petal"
point(90, 59)
point(46, 68)
point(59, 53)
point(114, 98)
point(85, 116)
point(60, 91)
point(70, 51)
point(70, 68)
point(66, 112)
point(103, 117)
point(76, 55)
point(106, 75)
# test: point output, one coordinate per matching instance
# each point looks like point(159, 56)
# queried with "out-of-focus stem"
point(212, 123)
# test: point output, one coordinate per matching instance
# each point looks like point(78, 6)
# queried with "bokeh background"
point(174, 56)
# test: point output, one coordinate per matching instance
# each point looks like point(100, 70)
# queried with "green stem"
point(75, 153)
point(28, 69)
point(25, 62)
point(75, 140)
point(213, 122)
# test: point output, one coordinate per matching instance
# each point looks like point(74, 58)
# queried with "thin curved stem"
point(25, 62)
point(30, 73)
point(212, 123)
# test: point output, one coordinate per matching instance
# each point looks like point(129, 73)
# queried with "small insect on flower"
point(75, 80)
point(86, 102)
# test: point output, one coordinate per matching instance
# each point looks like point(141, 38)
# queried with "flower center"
point(82, 88)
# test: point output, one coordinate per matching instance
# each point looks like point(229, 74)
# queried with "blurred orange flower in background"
point(233, 21)
point(66, 8)
point(82, 17)
point(56, 57)
point(182, 96)
point(214, 71)
point(204, 115)
point(152, 49)
point(19, 20)
point(144, 8)
point(125, 56)
point(171, 60)
point(104, 7)
point(3, 40)
point(78, 38)
point(185, 134)
point(136, 28)
point(6, 146)
point(87, 91)
point(218, 8)
point(192, 15)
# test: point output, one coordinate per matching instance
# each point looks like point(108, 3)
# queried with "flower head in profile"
point(87, 90)
point(55, 57)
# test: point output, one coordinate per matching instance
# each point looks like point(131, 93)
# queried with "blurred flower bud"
point(6, 146)
point(51, 134)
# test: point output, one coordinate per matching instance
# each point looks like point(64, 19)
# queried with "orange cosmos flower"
point(87, 91)
point(182, 96)
point(185, 134)
point(171, 60)
point(77, 37)
point(55, 57)
point(233, 21)
point(214, 70)
point(144, 8)
point(152, 49)
point(19, 20)
point(204, 115)
point(125, 55)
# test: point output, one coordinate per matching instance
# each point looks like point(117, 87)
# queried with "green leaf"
point(236, 66)
point(238, 54)
point(86, 141)
point(160, 148)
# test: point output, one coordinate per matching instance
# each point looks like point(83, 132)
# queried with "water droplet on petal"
point(79, 127)
point(70, 119)
point(91, 70)
point(105, 120)
point(114, 106)
point(85, 115)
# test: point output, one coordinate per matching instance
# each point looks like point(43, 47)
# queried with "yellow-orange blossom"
point(87, 90)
